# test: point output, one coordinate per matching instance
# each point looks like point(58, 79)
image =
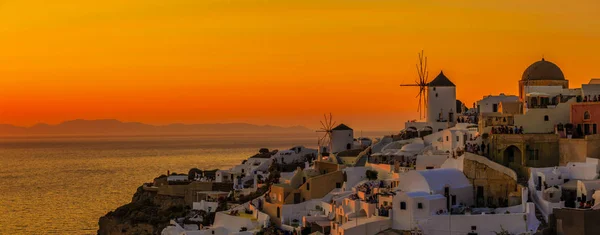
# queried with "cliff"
point(148, 213)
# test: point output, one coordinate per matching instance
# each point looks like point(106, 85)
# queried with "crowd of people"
point(507, 130)
point(475, 148)
point(409, 163)
point(467, 119)
point(591, 98)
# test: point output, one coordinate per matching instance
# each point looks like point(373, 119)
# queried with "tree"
point(193, 172)
point(371, 175)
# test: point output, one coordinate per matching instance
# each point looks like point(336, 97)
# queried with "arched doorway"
point(425, 131)
point(512, 154)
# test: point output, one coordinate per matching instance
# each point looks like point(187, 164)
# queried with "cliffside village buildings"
point(522, 164)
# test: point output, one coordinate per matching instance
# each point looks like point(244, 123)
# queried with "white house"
point(436, 202)
point(445, 181)
point(453, 138)
point(296, 153)
point(578, 179)
point(491, 103)
point(173, 178)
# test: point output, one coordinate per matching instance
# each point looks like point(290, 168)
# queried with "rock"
point(147, 213)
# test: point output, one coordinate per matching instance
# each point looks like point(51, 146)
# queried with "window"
point(308, 186)
point(420, 205)
point(473, 227)
point(402, 205)
point(338, 185)
point(594, 129)
point(533, 154)
point(385, 203)
point(278, 212)
point(546, 118)
point(586, 115)
point(457, 139)
point(436, 94)
point(447, 138)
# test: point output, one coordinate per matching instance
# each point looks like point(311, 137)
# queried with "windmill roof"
point(441, 80)
point(341, 127)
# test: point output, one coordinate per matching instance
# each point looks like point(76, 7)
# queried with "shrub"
point(371, 175)
point(193, 172)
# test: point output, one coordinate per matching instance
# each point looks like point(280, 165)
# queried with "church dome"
point(543, 70)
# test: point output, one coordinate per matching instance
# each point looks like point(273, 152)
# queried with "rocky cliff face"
point(148, 213)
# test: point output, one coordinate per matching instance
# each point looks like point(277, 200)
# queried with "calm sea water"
point(62, 185)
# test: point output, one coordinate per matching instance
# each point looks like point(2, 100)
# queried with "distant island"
point(116, 127)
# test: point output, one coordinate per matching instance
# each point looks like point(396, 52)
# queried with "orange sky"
point(274, 62)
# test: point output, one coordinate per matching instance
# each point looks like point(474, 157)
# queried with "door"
point(586, 129)
point(479, 196)
point(447, 195)
point(296, 198)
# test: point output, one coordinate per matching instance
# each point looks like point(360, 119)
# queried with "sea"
point(64, 184)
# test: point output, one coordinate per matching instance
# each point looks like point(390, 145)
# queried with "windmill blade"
point(322, 138)
point(419, 105)
point(332, 126)
point(418, 71)
point(323, 125)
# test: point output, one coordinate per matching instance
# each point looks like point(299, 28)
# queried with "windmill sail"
point(325, 141)
point(422, 82)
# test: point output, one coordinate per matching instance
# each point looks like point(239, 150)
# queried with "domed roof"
point(413, 147)
point(543, 70)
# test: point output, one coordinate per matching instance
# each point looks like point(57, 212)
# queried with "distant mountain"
point(116, 127)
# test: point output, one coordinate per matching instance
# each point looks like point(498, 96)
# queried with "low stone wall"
point(576, 150)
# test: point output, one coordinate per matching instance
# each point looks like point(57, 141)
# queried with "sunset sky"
point(275, 62)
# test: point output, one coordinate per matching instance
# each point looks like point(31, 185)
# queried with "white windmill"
point(325, 141)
